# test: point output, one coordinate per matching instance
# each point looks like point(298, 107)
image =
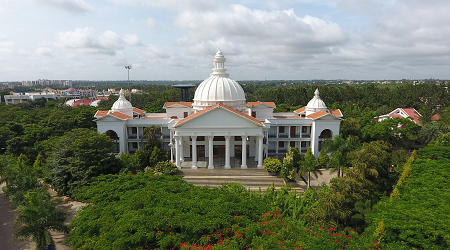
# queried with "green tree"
point(297, 158)
point(372, 159)
point(77, 156)
point(310, 165)
point(350, 126)
point(37, 216)
point(340, 147)
point(323, 159)
point(39, 164)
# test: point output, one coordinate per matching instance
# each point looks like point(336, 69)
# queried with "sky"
point(261, 39)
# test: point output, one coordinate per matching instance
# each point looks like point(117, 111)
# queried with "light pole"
point(128, 67)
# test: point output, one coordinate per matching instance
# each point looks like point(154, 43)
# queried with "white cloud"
point(43, 51)
point(149, 22)
point(74, 6)
point(132, 39)
point(174, 5)
point(276, 34)
point(88, 40)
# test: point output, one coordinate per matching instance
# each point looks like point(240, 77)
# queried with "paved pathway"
point(325, 177)
point(7, 216)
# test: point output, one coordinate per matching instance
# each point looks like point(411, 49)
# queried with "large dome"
point(122, 105)
point(219, 88)
point(316, 104)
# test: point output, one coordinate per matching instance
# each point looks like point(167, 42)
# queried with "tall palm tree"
point(340, 147)
point(38, 216)
point(310, 165)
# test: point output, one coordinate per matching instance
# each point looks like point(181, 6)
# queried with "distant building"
point(16, 98)
point(220, 129)
point(409, 113)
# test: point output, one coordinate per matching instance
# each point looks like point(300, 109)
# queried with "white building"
point(16, 98)
point(219, 128)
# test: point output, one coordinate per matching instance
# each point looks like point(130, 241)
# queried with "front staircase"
point(251, 178)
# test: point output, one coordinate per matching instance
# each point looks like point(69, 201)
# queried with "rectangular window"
point(253, 114)
point(281, 129)
point(281, 144)
point(134, 130)
point(185, 114)
point(303, 144)
point(292, 144)
point(135, 145)
point(200, 138)
point(304, 129)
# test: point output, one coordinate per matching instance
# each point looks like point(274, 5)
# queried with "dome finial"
point(219, 65)
point(316, 93)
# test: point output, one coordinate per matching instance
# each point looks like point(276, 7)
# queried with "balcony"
point(283, 135)
point(132, 136)
point(306, 135)
point(295, 136)
point(272, 135)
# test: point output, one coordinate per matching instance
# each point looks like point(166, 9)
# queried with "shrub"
point(288, 171)
point(166, 167)
point(272, 164)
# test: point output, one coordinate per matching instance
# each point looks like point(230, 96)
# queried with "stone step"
point(223, 172)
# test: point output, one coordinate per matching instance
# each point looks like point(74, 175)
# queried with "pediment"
point(218, 118)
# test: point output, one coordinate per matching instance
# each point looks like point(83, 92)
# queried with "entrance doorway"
point(238, 151)
point(200, 152)
point(218, 151)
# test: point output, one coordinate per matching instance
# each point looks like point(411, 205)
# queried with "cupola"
point(219, 88)
point(122, 105)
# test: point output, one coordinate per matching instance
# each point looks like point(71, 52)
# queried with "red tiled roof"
point(103, 98)
point(435, 117)
point(101, 113)
point(168, 104)
point(121, 115)
point(336, 112)
point(298, 111)
point(81, 102)
point(316, 115)
point(219, 105)
point(70, 89)
point(411, 112)
point(139, 111)
point(252, 104)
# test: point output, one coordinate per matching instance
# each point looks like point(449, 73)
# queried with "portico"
point(217, 132)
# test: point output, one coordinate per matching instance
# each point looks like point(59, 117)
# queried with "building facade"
point(220, 129)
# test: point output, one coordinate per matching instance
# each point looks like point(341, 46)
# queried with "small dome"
point(316, 104)
point(122, 105)
point(219, 88)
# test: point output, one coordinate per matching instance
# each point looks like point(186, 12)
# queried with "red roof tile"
point(101, 113)
point(252, 104)
point(298, 111)
point(316, 115)
point(336, 112)
point(168, 104)
point(139, 111)
point(81, 102)
point(219, 105)
point(435, 117)
point(121, 115)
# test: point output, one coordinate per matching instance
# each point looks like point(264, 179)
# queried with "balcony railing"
point(132, 136)
point(272, 135)
point(306, 135)
point(295, 136)
point(283, 135)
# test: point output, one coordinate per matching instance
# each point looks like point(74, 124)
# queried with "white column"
point(244, 152)
point(256, 148)
point(260, 151)
point(194, 152)
point(210, 153)
point(177, 151)
point(171, 152)
point(227, 152)
point(181, 149)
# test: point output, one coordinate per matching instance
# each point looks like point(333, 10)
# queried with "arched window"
point(113, 135)
point(326, 134)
